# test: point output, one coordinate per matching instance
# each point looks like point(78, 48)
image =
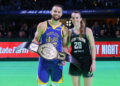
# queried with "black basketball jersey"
point(80, 46)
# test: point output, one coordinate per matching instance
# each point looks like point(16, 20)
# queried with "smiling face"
point(76, 18)
point(56, 12)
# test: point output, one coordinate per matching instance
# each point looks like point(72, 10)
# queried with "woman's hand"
point(93, 65)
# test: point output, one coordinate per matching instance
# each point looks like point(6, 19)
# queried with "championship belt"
point(47, 51)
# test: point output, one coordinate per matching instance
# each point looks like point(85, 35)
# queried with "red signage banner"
point(107, 48)
point(7, 51)
point(103, 49)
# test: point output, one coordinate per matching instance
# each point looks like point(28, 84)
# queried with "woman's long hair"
point(82, 28)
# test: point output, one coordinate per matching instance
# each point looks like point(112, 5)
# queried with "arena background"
point(18, 21)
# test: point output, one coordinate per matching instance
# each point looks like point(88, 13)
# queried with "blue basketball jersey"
point(53, 35)
point(46, 68)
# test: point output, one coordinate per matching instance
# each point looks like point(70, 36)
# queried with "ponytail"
point(82, 28)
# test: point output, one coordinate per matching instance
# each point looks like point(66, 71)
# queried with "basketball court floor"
point(24, 73)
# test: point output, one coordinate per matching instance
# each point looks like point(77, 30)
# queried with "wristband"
point(93, 58)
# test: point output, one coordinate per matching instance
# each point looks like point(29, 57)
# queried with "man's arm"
point(65, 40)
point(69, 37)
point(39, 32)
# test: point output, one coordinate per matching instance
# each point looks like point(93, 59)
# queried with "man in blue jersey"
point(52, 31)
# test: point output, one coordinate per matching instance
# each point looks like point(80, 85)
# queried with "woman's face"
point(76, 18)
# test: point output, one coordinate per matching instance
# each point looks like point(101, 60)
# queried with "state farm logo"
point(8, 50)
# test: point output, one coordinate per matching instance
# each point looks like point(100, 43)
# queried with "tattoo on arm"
point(38, 33)
point(65, 36)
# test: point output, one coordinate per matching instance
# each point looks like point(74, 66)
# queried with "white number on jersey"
point(77, 45)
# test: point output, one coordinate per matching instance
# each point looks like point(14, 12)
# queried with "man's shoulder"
point(42, 24)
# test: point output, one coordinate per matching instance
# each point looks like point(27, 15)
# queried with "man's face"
point(56, 12)
point(76, 18)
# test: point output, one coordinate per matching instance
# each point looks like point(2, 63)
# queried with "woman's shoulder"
point(88, 30)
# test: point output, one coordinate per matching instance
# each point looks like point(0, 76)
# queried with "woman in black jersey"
point(83, 49)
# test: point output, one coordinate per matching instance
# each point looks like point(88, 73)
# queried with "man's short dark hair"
point(58, 5)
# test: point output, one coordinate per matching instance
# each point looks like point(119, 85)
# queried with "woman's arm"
point(92, 48)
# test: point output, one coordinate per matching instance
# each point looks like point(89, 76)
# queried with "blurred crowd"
point(67, 4)
point(17, 30)
point(106, 30)
point(27, 30)
point(92, 4)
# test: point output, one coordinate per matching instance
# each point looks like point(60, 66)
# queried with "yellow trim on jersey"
point(62, 30)
point(60, 81)
point(45, 27)
point(40, 82)
point(54, 27)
